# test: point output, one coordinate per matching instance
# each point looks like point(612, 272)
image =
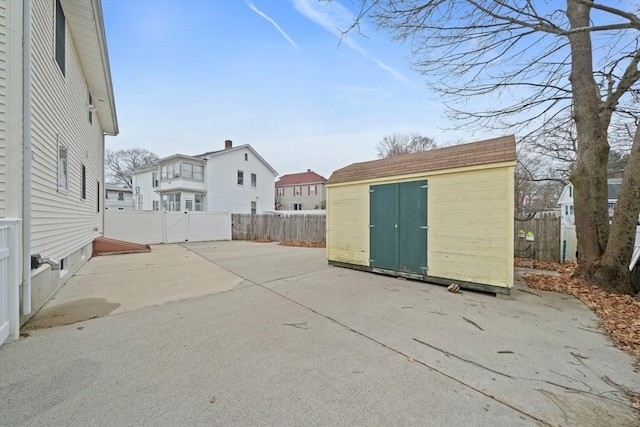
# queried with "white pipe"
point(26, 157)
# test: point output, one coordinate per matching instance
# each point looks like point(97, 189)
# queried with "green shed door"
point(383, 233)
point(398, 228)
point(412, 227)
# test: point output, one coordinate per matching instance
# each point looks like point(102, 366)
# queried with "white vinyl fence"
point(9, 279)
point(152, 227)
point(569, 242)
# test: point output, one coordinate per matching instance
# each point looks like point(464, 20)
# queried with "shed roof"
point(308, 177)
point(494, 150)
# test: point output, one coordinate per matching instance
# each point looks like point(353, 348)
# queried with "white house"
point(565, 201)
point(56, 106)
point(118, 198)
point(234, 179)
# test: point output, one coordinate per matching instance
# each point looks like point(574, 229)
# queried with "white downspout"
point(26, 158)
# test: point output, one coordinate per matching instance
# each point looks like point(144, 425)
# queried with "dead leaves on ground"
point(567, 267)
point(304, 244)
point(296, 244)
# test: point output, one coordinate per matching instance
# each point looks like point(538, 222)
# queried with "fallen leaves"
point(567, 267)
point(620, 314)
point(297, 244)
point(304, 244)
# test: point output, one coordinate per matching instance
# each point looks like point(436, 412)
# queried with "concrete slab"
point(298, 342)
point(120, 283)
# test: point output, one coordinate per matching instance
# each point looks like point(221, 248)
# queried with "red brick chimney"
point(308, 170)
point(228, 144)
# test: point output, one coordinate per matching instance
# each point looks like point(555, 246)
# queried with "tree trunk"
point(614, 274)
point(589, 175)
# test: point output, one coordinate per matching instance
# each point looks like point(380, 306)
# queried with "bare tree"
point(525, 64)
point(397, 144)
point(120, 163)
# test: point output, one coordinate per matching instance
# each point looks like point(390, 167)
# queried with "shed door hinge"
point(426, 227)
point(424, 186)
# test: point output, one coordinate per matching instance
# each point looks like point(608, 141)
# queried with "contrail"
point(262, 14)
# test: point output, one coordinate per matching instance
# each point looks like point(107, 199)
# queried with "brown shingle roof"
point(495, 150)
point(308, 177)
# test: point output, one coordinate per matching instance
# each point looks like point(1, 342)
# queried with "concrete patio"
point(238, 333)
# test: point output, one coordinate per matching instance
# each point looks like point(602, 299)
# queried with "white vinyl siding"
point(223, 192)
point(61, 222)
point(3, 107)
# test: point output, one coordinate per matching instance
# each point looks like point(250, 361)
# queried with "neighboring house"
point(56, 106)
point(442, 216)
point(235, 179)
point(300, 191)
point(118, 198)
point(565, 201)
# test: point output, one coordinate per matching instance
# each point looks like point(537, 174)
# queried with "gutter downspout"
point(26, 158)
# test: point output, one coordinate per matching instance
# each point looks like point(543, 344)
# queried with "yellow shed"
point(443, 216)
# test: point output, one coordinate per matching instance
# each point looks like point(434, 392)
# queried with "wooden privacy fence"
point(294, 228)
point(537, 238)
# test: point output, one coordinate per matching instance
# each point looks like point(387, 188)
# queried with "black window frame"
point(60, 38)
point(83, 191)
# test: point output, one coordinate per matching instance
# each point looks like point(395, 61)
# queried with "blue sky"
point(188, 74)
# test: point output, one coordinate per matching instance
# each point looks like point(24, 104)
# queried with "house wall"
point(62, 222)
point(470, 219)
point(11, 109)
point(224, 194)
point(143, 180)
point(112, 202)
point(308, 201)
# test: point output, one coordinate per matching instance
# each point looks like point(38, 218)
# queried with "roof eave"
point(86, 23)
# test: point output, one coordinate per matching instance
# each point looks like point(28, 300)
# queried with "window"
point(60, 37)
point(187, 170)
point(254, 180)
point(296, 206)
point(313, 190)
point(120, 196)
point(199, 200)
point(98, 196)
point(571, 209)
point(280, 191)
point(198, 172)
point(191, 171)
point(90, 109)
point(172, 202)
point(170, 171)
point(84, 182)
point(566, 210)
point(154, 179)
point(246, 157)
point(64, 267)
point(297, 191)
point(156, 205)
point(253, 208)
point(570, 191)
point(240, 178)
point(188, 205)
point(83, 253)
point(63, 172)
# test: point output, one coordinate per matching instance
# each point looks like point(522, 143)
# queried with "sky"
point(190, 74)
